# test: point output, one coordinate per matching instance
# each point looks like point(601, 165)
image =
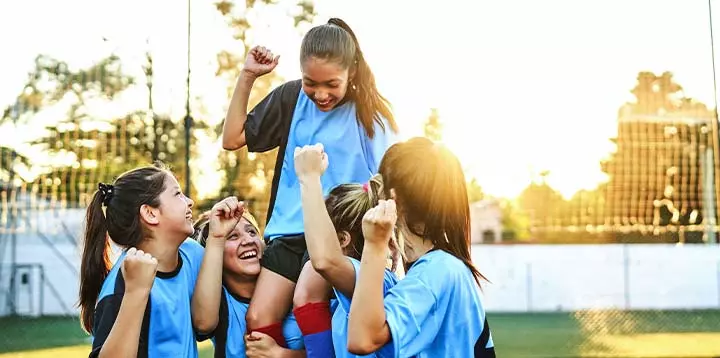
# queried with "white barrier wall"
point(574, 277)
point(58, 293)
point(525, 277)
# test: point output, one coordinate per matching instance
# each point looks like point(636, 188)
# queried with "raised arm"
point(259, 61)
point(367, 328)
point(208, 287)
point(322, 240)
point(118, 334)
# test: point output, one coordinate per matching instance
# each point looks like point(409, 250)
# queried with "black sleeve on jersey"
point(268, 123)
point(106, 313)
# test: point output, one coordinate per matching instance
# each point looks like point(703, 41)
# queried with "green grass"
point(206, 352)
point(590, 334)
point(18, 334)
point(534, 335)
point(607, 333)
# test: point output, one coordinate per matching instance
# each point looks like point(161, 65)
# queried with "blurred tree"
point(75, 140)
point(433, 127)
point(10, 161)
point(586, 207)
point(541, 203)
point(475, 192)
point(515, 223)
point(85, 145)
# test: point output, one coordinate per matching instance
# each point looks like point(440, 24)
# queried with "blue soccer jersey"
point(354, 157)
point(340, 318)
point(167, 326)
point(436, 311)
point(231, 329)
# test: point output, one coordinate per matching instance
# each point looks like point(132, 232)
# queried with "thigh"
point(311, 287)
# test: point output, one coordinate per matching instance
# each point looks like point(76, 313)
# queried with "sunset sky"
point(522, 86)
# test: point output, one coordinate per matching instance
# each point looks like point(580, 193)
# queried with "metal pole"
point(12, 296)
point(715, 132)
point(626, 276)
point(718, 282)
point(528, 286)
point(188, 117)
point(708, 190)
point(42, 289)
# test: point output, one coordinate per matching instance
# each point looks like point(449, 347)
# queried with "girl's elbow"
point(361, 341)
point(324, 265)
point(230, 144)
point(321, 265)
point(203, 325)
point(233, 138)
point(361, 345)
point(368, 339)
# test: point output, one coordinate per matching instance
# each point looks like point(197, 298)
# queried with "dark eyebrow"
point(308, 79)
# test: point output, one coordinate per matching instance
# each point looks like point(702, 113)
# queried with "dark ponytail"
point(120, 222)
point(336, 41)
point(95, 260)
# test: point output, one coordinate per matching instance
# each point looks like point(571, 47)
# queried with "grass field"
point(580, 334)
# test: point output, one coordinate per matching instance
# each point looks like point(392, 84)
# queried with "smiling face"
point(243, 249)
point(325, 82)
point(175, 211)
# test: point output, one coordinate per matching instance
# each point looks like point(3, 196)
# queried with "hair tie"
point(107, 191)
point(366, 187)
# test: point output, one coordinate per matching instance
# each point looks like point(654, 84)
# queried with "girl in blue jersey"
point(436, 310)
point(337, 104)
point(140, 307)
point(225, 285)
point(333, 230)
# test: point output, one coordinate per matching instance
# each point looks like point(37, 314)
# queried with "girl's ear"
point(344, 237)
point(149, 215)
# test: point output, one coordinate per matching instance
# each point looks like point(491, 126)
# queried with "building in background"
point(485, 222)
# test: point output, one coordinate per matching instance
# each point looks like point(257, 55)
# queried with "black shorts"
point(286, 256)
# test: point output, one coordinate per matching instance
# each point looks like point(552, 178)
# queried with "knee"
point(302, 296)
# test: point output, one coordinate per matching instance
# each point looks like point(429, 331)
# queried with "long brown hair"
point(121, 222)
point(336, 41)
point(431, 194)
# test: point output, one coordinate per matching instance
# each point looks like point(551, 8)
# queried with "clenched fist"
point(260, 61)
point(224, 216)
point(138, 270)
point(379, 222)
point(310, 160)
